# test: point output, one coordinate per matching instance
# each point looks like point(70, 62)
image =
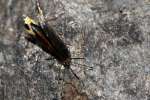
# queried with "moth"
point(43, 35)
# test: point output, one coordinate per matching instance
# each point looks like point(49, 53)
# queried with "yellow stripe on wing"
point(28, 21)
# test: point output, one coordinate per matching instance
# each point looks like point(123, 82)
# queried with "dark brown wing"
point(39, 39)
point(62, 54)
point(46, 38)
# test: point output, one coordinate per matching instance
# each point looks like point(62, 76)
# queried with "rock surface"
point(112, 35)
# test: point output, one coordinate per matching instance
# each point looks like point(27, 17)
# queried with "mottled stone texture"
point(112, 35)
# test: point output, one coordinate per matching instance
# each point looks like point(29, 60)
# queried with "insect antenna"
point(70, 69)
point(78, 58)
point(74, 73)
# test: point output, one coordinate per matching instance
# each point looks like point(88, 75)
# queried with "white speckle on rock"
point(99, 93)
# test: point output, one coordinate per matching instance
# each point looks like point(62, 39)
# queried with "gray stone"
point(112, 35)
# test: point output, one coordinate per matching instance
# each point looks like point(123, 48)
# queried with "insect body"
point(42, 34)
